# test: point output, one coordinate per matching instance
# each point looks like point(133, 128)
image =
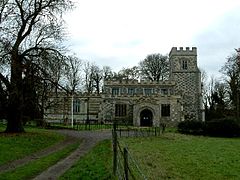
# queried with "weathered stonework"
point(142, 103)
point(188, 81)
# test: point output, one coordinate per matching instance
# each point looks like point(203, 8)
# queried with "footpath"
point(89, 140)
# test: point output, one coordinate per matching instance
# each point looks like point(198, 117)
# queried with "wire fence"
point(92, 126)
point(140, 132)
point(127, 166)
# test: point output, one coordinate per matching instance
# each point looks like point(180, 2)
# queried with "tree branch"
point(4, 80)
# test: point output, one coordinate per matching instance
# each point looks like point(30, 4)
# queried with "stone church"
point(141, 103)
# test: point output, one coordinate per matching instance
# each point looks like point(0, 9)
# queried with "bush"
point(222, 128)
point(216, 128)
point(191, 127)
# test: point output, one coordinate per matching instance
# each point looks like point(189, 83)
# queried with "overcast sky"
point(120, 33)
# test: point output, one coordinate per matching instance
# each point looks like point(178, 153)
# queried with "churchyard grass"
point(97, 164)
point(16, 146)
point(32, 169)
point(169, 156)
point(177, 156)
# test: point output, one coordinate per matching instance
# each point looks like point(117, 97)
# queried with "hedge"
point(217, 128)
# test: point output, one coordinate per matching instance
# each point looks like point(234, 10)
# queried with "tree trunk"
point(238, 106)
point(14, 112)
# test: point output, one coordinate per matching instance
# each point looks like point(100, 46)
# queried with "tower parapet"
point(183, 52)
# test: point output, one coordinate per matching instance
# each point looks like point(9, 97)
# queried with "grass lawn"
point(31, 169)
point(97, 164)
point(176, 156)
point(16, 146)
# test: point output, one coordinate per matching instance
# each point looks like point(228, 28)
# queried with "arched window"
point(184, 64)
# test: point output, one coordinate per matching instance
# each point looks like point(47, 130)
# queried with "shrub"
point(191, 127)
point(223, 128)
point(217, 128)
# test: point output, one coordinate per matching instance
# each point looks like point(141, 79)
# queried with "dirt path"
point(20, 162)
point(90, 139)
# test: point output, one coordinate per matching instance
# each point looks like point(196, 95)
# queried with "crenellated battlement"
point(183, 51)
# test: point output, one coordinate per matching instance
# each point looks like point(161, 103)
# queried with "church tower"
point(184, 71)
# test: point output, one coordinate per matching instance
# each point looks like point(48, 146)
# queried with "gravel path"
point(20, 162)
point(90, 139)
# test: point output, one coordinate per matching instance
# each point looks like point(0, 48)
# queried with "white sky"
point(120, 33)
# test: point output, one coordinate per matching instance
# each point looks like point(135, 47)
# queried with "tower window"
point(184, 65)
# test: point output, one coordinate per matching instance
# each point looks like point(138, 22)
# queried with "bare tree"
point(155, 67)
point(221, 96)
point(73, 73)
point(88, 77)
point(231, 70)
point(107, 73)
point(215, 99)
point(129, 73)
point(204, 86)
point(97, 76)
point(3, 13)
point(31, 32)
point(210, 93)
point(94, 77)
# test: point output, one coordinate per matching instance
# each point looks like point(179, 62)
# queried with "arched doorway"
point(146, 117)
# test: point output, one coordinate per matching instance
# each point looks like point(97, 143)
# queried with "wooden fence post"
point(114, 148)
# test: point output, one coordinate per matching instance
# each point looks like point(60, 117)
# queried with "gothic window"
point(139, 91)
point(165, 110)
point(115, 91)
point(76, 106)
point(120, 110)
point(164, 91)
point(147, 91)
point(123, 90)
point(130, 91)
point(184, 64)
